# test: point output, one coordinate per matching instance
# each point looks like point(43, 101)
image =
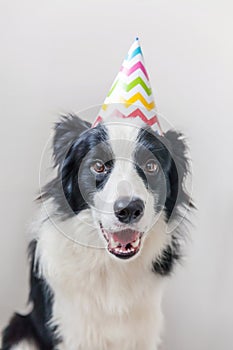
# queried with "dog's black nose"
point(129, 210)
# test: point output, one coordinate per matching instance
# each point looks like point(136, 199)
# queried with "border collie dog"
point(101, 248)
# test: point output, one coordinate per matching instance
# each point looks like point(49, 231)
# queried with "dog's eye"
point(99, 167)
point(151, 166)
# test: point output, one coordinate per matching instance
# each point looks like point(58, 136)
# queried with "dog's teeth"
point(136, 243)
point(112, 242)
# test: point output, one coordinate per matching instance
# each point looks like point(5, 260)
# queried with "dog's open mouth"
point(123, 244)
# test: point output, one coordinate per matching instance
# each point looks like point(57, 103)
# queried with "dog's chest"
point(101, 303)
point(108, 314)
point(93, 319)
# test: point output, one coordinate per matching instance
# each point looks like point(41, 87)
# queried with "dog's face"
point(126, 176)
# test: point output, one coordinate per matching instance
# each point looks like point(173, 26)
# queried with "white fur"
point(100, 301)
point(24, 345)
point(124, 181)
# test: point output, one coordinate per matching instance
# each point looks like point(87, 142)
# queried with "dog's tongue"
point(126, 236)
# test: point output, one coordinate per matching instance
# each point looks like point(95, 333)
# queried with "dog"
point(101, 250)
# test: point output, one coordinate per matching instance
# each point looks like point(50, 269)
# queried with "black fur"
point(67, 131)
point(76, 146)
point(165, 263)
point(151, 147)
point(34, 326)
point(170, 151)
point(19, 328)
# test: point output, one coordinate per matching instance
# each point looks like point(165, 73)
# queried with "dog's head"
point(125, 176)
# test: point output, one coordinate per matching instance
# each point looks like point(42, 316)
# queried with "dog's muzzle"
point(124, 244)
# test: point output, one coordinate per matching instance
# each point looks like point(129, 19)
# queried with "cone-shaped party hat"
point(131, 95)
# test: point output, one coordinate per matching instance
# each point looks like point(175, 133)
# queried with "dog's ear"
point(67, 130)
point(178, 150)
point(179, 170)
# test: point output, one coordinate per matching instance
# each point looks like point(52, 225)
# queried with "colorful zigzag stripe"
point(131, 88)
point(136, 66)
point(136, 113)
point(131, 85)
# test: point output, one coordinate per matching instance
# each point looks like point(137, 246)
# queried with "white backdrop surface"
point(61, 56)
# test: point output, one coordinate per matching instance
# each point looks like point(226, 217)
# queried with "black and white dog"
point(101, 248)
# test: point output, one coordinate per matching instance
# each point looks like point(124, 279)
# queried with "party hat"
point(131, 95)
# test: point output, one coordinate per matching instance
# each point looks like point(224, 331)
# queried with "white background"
point(61, 56)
